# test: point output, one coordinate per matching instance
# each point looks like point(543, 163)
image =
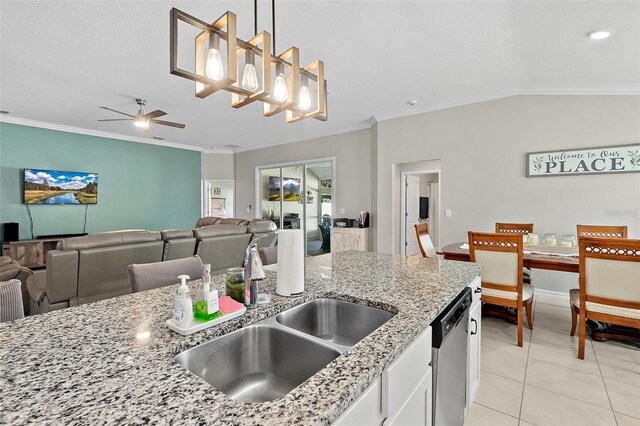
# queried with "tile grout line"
point(526, 366)
point(604, 382)
point(498, 411)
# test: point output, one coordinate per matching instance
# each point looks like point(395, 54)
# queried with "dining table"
point(553, 258)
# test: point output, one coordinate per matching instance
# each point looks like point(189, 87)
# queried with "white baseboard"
point(551, 297)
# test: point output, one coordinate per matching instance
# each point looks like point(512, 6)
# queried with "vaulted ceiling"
point(60, 60)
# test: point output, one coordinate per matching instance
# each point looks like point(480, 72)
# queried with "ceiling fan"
point(144, 120)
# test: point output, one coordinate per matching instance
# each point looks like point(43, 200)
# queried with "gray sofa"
point(91, 268)
point(94, 267)
point(178, 244)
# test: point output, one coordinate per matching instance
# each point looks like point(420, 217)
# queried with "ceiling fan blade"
point(119, 112)
point(116, 119)
point(154, 114)
point(168, 123)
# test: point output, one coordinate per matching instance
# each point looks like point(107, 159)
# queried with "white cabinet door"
point(416, 411)
point(473, 352)
point(366, 410)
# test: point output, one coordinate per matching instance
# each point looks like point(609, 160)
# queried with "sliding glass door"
point(299, 196)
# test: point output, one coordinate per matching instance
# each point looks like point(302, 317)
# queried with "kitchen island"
point(111, 362)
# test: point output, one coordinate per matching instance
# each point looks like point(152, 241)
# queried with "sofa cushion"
point(218, 230)
point(106, 239)
point(173, 234)
point(206, 221)
point(233, 221)
point(148, 276)
point(260, 226)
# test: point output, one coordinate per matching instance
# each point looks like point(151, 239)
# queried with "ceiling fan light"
point(598, 34)
point(141, 122)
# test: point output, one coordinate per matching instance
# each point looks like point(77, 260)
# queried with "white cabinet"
point(347, 239)
point(417, 408)
point(366, 410)
point(473, 346)
point(402, 395)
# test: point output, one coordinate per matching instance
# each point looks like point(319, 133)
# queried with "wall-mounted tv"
point(55, 187)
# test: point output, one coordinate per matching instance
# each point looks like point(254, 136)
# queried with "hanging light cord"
point(273, 24)
point(255, 17)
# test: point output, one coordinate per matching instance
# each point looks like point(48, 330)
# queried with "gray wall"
point(218, 166)
point(482, 147)
point(352, 152)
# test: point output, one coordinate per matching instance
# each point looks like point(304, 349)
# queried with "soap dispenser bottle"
point(183, 308)
point(206, 307)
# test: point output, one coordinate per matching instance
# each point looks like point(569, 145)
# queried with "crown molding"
point(97, 133)
point(364, 125)
point(217, 151)
point(437, 107)
point(581, 91)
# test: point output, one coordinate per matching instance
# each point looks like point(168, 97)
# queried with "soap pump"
point(183, 308)
point(206, 307)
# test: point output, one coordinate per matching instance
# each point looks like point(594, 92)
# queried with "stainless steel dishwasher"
point(449, 361)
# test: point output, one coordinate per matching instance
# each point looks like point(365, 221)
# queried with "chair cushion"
point(11, 307)
point(574, 296)
point(527, 293)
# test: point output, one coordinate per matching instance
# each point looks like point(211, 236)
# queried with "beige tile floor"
point(544, 382)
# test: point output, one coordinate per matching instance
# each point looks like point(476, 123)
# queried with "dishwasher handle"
point(473, 320)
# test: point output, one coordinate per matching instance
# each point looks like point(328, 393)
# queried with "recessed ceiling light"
point(413, 102)
point(598, 34)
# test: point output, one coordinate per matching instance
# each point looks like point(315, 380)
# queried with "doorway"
point(420, 203)
point(299, 195)
point(217, 198)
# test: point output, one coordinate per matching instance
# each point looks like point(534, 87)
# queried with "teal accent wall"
point(140, 186)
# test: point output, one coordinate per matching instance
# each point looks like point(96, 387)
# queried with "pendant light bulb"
point(305, 97)
point(214, 69)
point(280, 92)
point(250, 78)
point(141, 122)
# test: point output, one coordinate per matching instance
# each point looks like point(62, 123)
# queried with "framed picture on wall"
point(325, 198)
point(218, 207)
point(325, 183)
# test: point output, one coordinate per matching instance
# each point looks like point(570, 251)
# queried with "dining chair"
point(11, 307)
point(147, 276)
point(602, 231)
point(501, 276)
point(518, 229)
point(424, 241)
point(594, 231)
point(609, 284)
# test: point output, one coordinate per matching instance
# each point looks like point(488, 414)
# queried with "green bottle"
point(206, 306)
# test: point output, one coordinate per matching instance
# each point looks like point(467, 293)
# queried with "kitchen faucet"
point(253, 272)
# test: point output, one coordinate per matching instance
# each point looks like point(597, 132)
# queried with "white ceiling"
point(60, 60)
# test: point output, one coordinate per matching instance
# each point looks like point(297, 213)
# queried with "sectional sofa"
point(94, 267)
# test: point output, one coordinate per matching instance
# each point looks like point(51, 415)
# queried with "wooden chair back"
point(514, 228)
point(424, 241)
point(609, 275)
point(501, 255)
point(602, 231)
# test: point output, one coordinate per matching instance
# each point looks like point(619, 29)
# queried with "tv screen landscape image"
point(55, 187)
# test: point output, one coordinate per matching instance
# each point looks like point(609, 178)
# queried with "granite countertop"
point(111, 362)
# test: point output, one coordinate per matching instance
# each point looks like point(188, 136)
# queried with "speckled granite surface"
point(90, 364)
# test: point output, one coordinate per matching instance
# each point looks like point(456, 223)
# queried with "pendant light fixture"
point(278, 81)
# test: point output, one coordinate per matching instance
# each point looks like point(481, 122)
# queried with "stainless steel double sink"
point(268, 359)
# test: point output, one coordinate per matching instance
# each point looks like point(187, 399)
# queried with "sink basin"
point(334, 321)
point(257, 363)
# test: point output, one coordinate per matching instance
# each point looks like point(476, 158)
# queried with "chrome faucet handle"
point(253, 272)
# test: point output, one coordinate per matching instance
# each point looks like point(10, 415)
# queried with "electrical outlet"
point(343, 211)
point(447, 213)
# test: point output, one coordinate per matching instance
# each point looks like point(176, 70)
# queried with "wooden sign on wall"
point(606, 159)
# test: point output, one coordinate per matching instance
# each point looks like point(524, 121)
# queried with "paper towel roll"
point(290, 275)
